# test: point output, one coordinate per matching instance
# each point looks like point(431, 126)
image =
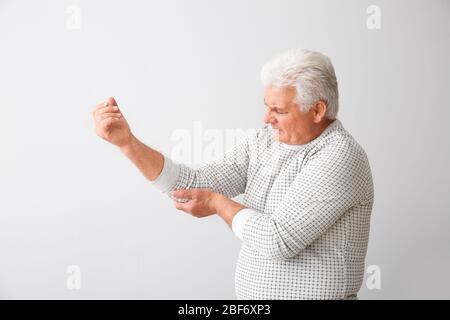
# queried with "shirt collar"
point(332, 126)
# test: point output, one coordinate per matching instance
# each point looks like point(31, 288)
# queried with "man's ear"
point(319, 110)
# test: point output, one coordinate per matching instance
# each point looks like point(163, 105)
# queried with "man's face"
point(290, 124)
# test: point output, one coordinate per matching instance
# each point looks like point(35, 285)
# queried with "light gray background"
point(70, 198)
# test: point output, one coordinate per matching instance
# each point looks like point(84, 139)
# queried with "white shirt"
point(305, 231)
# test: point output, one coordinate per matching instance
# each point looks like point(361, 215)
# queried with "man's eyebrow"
point(277, 108)
point(265, 102)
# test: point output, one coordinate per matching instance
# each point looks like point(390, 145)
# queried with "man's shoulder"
point(339, 143)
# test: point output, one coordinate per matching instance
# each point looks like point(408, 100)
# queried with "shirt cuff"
point(168, 176)
point(239, 220)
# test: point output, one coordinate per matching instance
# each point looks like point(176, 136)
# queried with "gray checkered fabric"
point(309, 237)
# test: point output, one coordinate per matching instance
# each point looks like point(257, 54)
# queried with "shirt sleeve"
point(226, 175)
point(168, 176)
point(239, 220)
point(330, 183)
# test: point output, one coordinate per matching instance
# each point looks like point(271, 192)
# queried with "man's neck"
point(316, 131)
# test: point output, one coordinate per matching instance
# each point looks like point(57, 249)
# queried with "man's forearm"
point(227, 208)
point(149, 161)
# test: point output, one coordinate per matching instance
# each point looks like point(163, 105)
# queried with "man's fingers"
point(111, 101)
point(104, 110)
point(106, 115)
point(111, 114)
point(184, 206)
point(98, 107)
point(108, 109)
point(182, 193)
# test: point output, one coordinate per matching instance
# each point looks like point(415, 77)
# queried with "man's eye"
point(278, 112)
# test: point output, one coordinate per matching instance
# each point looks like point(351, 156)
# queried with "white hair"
point(312, 75)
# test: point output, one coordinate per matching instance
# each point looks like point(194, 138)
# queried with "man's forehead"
point(280, 104)
point(279, 95)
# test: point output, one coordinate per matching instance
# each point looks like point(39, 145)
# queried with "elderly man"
point(307, 185)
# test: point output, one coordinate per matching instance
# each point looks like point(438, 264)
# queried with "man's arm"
point(326, 188)
point(204, 202)
point(227, 175)
point(226, 208)
point(149, 161)
point(111, 125)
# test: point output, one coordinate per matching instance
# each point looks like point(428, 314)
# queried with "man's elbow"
point(280, 250)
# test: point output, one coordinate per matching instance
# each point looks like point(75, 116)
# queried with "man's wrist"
point(226, 208)
point(130, 147)
point(216, 200)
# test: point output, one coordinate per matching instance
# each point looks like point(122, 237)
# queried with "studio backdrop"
point(79, 221)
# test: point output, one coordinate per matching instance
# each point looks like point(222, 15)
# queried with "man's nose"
point(267, 118)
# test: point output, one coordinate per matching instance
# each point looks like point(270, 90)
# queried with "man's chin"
point(278, 135)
